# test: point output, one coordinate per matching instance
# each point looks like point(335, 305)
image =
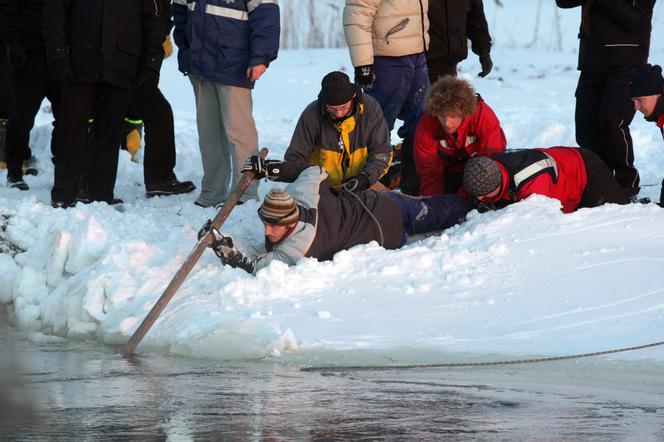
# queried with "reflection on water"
point(74, 391)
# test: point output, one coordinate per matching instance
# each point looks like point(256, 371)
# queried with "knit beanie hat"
point(336, 89)
point(481, 176)
point(647, 81)
point(278, 208)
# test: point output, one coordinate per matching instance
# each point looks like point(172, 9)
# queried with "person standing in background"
point(99, 52)
point(225, 46)
point(387, 40)
point(451, 24)
point(31, 82)
point(614, 40)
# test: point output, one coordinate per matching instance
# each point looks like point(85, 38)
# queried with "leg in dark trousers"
point(617, 112)
point(430, 213)
point(589, 96)
point(439, 69)
point(157, 116)
point(78, 102)
point(601, 187)
point(109, 119)
point(5, 84)
point(31, 85)
point(400, 87)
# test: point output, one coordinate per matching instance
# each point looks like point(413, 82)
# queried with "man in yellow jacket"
point(344, 131)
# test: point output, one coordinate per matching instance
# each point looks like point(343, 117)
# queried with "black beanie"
point(646, 81)
point(336, 88)
point(481, 176)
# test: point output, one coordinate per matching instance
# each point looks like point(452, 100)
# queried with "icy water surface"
point(84, 391)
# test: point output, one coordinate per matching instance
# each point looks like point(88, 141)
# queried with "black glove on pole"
point(188, 265)
point(262, 168)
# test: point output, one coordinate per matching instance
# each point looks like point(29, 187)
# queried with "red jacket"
point(437, 152)
point(568, 188)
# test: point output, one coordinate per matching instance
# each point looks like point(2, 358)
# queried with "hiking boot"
point(17, 183)
point(173, 187)
point(62, 204)
point(82, 196)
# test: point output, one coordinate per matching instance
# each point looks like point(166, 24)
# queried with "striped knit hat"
point(278, 208)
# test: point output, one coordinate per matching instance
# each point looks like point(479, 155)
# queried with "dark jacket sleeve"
point(478, 29)
point(180, 12)
point(302, 143)
point(265, 29)
point(153, 32)
point(55, 29)
point(631, 15)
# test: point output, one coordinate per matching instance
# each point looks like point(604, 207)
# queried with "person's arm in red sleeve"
point(428, 163)
point(491, 135)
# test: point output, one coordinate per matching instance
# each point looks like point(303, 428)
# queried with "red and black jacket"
point(555, 172)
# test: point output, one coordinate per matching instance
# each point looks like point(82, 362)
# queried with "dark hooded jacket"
point(613, 33)
point(105, 40)
point(451, 24)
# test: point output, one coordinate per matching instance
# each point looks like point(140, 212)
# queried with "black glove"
point(235, 259)
point(487, 65)
point(219, 241)
point(262, 168)
point(61, 72)
point(147, 81)
point(364, 76)
point(357, 183)
point(16, 55)
point(483, 206)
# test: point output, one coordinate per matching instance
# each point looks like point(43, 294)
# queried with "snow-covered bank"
point(527, 280)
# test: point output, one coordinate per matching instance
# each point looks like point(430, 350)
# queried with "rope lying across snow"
point(475, 364)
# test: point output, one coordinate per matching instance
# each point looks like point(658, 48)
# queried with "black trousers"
point(603, 114)
point(30, 85)
point(157, 116)
point(601, 187)
point(5, 84)
point(439, 68)
point(107, 104)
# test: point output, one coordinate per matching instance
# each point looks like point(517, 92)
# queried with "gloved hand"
point(219, 241)
point(61, 72)
point(483, 206)
point(16, 55)
point(487, 65)
point(168, 47)
point(235, 259)
point(147, 81)
point(262, 168)
point(364, 76)
point(357, 183)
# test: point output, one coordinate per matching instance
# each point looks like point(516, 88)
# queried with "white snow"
point(526, 280)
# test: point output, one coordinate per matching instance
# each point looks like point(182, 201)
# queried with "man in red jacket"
point(575, 177)
point(457, 125)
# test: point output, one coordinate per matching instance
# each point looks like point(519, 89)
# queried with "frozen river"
point(85, 391)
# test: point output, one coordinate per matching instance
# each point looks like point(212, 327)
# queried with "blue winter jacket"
point(219, 39)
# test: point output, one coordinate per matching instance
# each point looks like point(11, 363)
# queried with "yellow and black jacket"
point(359, 143)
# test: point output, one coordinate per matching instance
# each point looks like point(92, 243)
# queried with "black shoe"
point(82, 196)
point(17, 183)
point(173, 187)
point(62, 204)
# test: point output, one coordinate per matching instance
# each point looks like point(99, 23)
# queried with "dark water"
point(85, 391)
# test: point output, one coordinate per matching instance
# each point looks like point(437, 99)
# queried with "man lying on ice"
point(307, 220)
